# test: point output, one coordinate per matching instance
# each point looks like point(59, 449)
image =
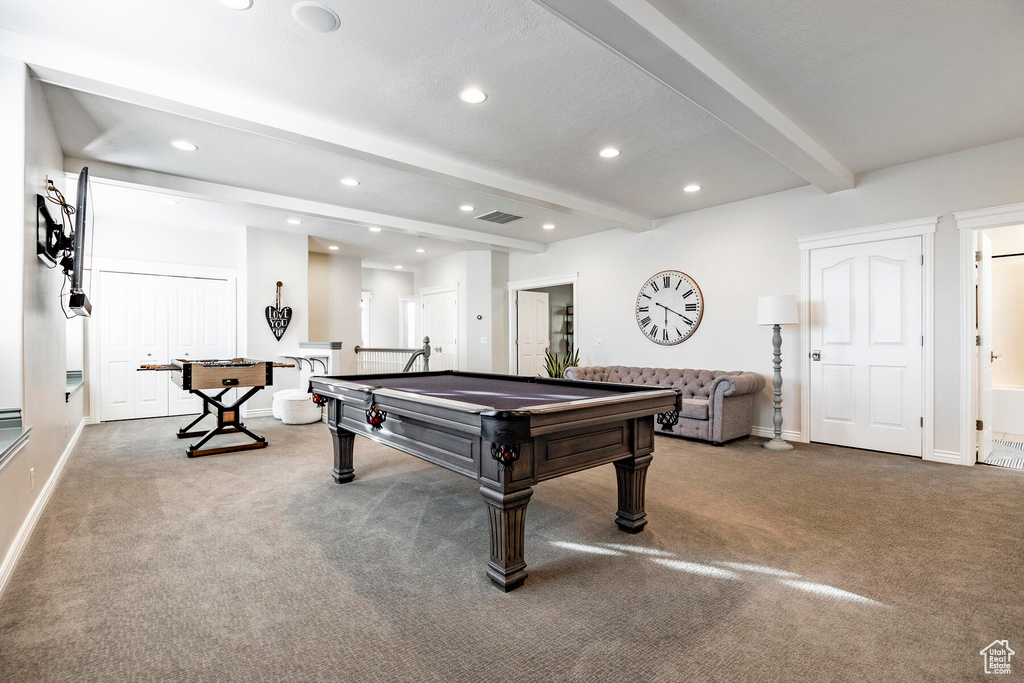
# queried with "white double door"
point(151, 319)
point(866, 345)
point(441, 325)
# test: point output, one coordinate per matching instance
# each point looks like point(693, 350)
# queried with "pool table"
point(507, 432)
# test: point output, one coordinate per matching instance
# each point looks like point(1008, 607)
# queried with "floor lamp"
point(777, 311)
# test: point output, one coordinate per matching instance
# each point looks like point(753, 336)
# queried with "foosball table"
point(210, 380)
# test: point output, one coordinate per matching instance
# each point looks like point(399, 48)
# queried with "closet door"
point(201, 316)
point(184, 340)
point(133, 331)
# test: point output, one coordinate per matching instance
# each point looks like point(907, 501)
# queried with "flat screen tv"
point(79, 303)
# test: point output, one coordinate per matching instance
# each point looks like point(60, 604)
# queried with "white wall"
point(387, 286)
point(481, 277)
point(146, 242)
point(1008, 322)
point(270, 257)
point(30, 141)
point(743, 250)
point(12, 240)
point(334, 287)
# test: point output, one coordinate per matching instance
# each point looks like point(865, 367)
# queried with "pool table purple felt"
point(507, 432)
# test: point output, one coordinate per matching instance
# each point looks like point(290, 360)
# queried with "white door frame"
point(538, 283)
point(104, 264)
point(925, 229)
point(967, 222)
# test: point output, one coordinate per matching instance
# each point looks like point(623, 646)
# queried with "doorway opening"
point(542, 320)
point(999, 350)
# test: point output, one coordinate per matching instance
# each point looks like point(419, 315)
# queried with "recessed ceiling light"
point(294, 221)
point(316, 17)
point(548, 226)
point(421, 251)
point(466, 207)
point(691, 188)
point(333, 247)
point(472, 96)
point(351, 182)
point(375, 229)
point(184, 145)
point(609, 152)
point(236, 4)
point(398, 267)
point(168, 202)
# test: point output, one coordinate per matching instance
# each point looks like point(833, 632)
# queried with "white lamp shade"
point(777, 310)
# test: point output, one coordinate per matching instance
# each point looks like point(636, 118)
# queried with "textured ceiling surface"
point(394, 70)
point(875, 83)
point(878, 83)
point(385, 249)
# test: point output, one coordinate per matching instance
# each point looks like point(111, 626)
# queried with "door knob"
point(995, 355)
point(149, 354)
point(815, 355)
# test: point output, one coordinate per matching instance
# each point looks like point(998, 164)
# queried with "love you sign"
point(278, 317)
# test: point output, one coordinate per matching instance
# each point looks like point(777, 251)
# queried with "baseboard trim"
point(948, 457)
point(29, 525)
point(259, 412)
point(769, 432)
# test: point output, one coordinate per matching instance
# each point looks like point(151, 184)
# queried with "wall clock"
point(669, 307)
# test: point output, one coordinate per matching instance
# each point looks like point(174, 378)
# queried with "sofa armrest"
point(737, 385)
point(591, 374)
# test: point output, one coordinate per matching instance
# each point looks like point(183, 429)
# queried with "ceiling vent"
point(499, 217)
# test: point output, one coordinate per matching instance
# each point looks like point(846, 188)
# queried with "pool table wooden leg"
point(631, 475)
point(506, 515)
point(343, 442)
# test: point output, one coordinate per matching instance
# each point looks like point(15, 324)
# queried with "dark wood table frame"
point(506, 451)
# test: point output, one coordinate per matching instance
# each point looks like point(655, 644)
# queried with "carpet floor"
point(818, 564)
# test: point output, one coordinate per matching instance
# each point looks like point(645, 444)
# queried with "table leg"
point(343, 442)
point(631, 475)
point(506, 516)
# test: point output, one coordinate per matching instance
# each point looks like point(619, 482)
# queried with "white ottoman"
point(278, 398)
point(295, 407)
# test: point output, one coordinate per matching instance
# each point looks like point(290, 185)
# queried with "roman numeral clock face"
point(669, 307)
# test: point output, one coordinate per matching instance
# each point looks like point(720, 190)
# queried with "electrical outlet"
point(483, 340)
point(597, 341)
point(32, 479)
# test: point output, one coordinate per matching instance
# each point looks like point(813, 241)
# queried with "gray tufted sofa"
point(717, 406)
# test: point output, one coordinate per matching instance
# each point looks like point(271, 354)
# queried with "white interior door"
point(984, 347)
point(533, 332)
point(133, 331)
point(201, 324)
point(441, 324)
point(866, 345)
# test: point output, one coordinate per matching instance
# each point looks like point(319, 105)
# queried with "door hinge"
point(922, 259)
point(922, 422)
point(922, 340)
point(977, 340)
point(977, 257)
point(980, 425)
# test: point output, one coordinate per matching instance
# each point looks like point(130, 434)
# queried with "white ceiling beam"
point(651, 41)
point(212, 103)
point(125, 176)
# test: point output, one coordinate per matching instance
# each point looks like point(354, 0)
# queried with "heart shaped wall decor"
point(278, 316)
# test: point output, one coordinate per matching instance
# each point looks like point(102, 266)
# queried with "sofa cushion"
point(694, 408)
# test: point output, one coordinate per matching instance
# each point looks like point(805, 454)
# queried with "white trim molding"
point(967, 222)
point(872, 233)
point(29, 525)
point(918, 227)
point(515, 287)
point(948, 457)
